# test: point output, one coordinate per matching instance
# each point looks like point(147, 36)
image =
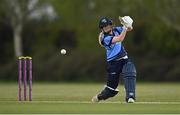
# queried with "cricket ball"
point(63, 51)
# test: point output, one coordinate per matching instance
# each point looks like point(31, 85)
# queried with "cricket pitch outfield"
point(75, 98)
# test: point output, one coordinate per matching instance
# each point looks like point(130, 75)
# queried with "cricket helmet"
point(104, 21)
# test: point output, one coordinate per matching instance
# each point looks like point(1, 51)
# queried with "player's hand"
point(126, 21)
point(129, 29)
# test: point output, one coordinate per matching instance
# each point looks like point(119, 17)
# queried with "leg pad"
point(107, 92)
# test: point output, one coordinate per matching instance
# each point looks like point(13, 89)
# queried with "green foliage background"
point(153, 44)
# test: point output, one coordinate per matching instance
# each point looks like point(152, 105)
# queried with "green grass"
point(76, 98)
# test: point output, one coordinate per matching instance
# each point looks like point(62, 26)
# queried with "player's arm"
point(120, 37)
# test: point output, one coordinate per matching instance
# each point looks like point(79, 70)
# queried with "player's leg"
point(112, 83)
point(110, 89)
point(129, 76)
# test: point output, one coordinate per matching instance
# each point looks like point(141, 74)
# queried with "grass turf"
point(75, 98)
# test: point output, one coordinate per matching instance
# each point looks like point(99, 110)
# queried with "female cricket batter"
point(111, 39)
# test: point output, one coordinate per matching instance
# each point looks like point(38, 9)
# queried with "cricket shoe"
point(95, 99)
point(130, 100)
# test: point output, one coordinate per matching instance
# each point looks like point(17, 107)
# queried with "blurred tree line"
point(43, 27)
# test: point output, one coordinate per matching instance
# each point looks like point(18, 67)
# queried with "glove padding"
point(126, 21)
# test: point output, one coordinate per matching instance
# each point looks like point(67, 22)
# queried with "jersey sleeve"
point(108, 40)
point(119, 28)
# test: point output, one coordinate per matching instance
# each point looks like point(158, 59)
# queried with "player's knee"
point(107, 93)
point(129, 70)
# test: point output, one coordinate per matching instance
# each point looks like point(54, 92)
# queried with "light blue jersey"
point(113, 50)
